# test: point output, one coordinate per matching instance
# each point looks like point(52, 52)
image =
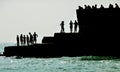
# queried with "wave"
point(100, 57)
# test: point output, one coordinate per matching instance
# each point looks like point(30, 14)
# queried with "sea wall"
point(65, 44)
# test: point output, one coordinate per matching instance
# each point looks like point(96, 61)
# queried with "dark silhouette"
point(81, 8)
point(21, 39)
point(24, 37)
point(75, 26)
point(89, 7)
point(86, 7)
point(31, 38)
point(62, 27)
point(116, 5)
point(18, 42)
point(48, 40)
point(99, 26)
point(71, 26)
point(111, 6)
point(35, 37)
point(94, 7)
point(28, 40)
point(102, 7)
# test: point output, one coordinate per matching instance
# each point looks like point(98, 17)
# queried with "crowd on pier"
point(101, 7)
point(26, 39)
point(73, 25)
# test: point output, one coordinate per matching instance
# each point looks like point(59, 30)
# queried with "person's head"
point(71, 21)
point(102, 7)
point(34, 32)
point(27, 36)
point(30, 33)
point(63, 22)
point(116, 4)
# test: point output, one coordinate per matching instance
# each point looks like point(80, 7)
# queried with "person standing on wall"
point(75, 26)
point(18, 42)
point(35, 37)
point(71, 26)
point(21, 39)
point(24, 37)
point(28, 40)
point(62, 27)
point(31, 38)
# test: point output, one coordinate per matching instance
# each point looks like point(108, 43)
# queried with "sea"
point(62, 64)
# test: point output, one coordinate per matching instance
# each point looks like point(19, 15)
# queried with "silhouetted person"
point(71, 26)
point(62, 27)
point(86, 7)
point(75, 26)
point(89, 7)
point(31, 38)
point(94, 7)
point(35, 37)
point(111, 6)
point(24, 38)
point(21, 39)
point(101, 7)
point(116, 5)
point(18, 41)
point(28, 40)
point(80, 8)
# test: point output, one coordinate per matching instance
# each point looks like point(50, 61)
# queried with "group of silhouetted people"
point(72, 25)
point(101, 7)
point(27, 39)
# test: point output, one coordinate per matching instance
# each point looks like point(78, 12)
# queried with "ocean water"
point(63, 64)
point(2, 45)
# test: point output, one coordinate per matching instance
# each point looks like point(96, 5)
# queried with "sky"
point(40, 16)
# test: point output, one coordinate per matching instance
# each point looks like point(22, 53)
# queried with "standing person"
point(21, 39)
point(35, 37)
point(31, 38)
point(17, 38)
point(62, 27)
point(24, 38)
point(71, 26)
point(28, 40)
point(75, 26)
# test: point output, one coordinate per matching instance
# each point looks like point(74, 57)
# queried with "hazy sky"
point(41, 16)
